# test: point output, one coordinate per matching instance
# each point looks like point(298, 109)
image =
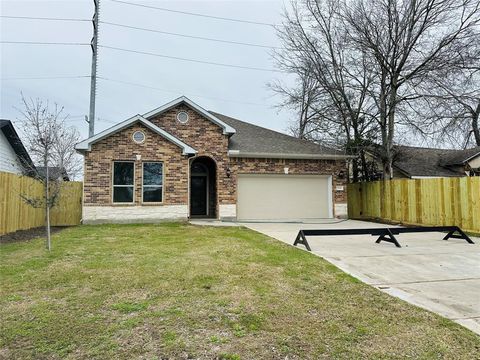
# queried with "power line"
point(189, 60)
point(82, 117)
point(126, 83)
point(144, 29)
point(196, 14)
point(189, 36)
point(42, 18)
point(107, 120)
point(45, 77)
point(177, 92)
point(40, 43)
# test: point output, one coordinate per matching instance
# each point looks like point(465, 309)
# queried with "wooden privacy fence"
point(15, 214)
point(434, 202)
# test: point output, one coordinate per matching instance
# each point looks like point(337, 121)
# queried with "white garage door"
point(284, 197)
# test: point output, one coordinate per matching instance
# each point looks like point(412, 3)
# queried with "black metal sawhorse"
point(384, 234)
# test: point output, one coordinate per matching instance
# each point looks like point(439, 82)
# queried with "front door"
point(198, 195)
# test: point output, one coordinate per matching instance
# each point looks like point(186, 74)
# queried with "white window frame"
point(144, 137)
point(178, 115)
point(113, 182)
point(162, 186)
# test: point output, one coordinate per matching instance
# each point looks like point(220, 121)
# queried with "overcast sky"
point(235, 92)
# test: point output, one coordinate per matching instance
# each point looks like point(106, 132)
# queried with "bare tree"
point(451, 106)
point(333, 77)
point(300, 99)
point(50, 143)
point(409, 41)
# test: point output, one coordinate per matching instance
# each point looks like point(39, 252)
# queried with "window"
point(152, 181)
point(182, 117)
point(199, 169)
point(123, 180)
point(138, 137)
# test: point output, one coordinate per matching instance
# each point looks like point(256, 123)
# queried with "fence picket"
point(444, 201)
point(15, 214)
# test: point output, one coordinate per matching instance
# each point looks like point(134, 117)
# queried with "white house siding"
point(8, 159)
point(475, 162)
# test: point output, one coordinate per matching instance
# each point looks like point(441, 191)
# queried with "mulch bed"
point(30, 234)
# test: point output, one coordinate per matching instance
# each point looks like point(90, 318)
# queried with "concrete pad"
point(442, 276)
point(213, 222)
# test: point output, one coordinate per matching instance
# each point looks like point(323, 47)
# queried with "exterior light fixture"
point(228, 172)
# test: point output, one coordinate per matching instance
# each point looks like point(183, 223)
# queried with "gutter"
point(468, 159)
point(240, 154)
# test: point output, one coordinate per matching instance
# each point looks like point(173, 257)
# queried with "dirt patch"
point(30, 234)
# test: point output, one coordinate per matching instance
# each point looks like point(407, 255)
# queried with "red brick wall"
point(295, 167)
point(120, 146)
point(204, 136)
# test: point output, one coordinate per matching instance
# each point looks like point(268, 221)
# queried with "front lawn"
point(181, 291)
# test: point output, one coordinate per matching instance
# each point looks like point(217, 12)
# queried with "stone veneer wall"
point(133, 214)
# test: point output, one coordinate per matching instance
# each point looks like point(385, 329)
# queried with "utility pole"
point(93, 76)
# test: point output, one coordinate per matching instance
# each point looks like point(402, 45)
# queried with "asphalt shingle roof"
point(250, 138)
point(418, 161)
point(458, 157)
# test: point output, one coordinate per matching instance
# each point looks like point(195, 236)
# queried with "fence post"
point(15, 214)
point(436, 202)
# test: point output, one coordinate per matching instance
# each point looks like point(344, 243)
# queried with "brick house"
point(180, 161)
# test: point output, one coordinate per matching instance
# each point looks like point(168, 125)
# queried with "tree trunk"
point(302, 125)
point(475, 125)
point(391, 128)
point(366, 176)
point(49, 242)
point(355, 170)
point(47, 204)
point(383, 126)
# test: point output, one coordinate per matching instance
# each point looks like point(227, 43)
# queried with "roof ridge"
point(426, 148)
point(432, 148)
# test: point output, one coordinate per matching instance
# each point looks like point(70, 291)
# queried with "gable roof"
point(420, 161)
point(227, 129)
point(460, 157)
point(10, 133)
point(255, 141)
point(86, 145)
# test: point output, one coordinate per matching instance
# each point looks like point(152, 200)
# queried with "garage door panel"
point(283, 197)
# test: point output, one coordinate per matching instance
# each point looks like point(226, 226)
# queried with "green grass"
point(180, 291)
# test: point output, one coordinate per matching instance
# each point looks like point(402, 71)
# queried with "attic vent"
point(182, 117)
point(138, 137)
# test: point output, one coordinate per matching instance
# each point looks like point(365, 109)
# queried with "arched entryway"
point(203, 187)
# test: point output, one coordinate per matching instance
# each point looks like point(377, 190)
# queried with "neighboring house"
point(54, 173)
point(14, 157)
point(180, 161)
point(418, 162)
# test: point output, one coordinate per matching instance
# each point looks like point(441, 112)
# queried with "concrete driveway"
point(441, 276)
